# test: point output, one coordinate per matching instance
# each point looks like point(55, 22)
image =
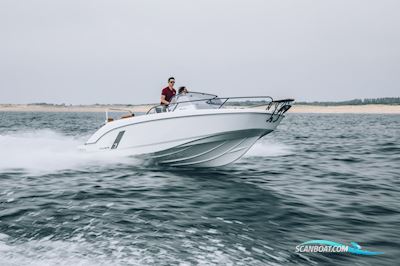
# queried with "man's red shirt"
point(168, 93)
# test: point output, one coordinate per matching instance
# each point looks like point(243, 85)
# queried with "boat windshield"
point(197, 100)
point(193, 101)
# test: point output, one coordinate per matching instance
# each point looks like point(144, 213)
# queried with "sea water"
point(318, 176)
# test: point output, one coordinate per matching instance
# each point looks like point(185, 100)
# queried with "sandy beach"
point(366, 109)
point(347, 109)
point(72, 108)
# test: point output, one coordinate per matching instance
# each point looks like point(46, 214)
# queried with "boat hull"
point(206, 138)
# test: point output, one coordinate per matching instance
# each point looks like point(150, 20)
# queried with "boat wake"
point(49, 151)
point(44, 151)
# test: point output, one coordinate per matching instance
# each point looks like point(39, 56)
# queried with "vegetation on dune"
point(386, 100)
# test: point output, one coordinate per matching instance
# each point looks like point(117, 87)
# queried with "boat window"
point(193, 101)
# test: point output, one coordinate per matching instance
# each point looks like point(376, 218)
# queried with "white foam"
point(120, 249)
point(268, 148)
point(47, 150)
point(46, 252)
point(105, 252)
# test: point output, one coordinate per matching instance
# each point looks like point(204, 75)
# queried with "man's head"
point(171, 82)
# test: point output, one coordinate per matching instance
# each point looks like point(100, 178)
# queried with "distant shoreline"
point(297, 108)
point(347, 109)
point(72, 108)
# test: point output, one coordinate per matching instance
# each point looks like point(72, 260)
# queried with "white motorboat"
point(195, 130)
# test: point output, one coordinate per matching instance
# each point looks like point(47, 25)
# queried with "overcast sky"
point(123, 51)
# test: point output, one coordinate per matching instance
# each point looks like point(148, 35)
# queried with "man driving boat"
point(168, 92)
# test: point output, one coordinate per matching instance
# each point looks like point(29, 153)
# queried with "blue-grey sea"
point(329, 177)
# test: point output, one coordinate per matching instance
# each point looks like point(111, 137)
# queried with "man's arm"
point(163, 101)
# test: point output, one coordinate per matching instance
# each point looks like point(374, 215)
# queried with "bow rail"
point(278, 107)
